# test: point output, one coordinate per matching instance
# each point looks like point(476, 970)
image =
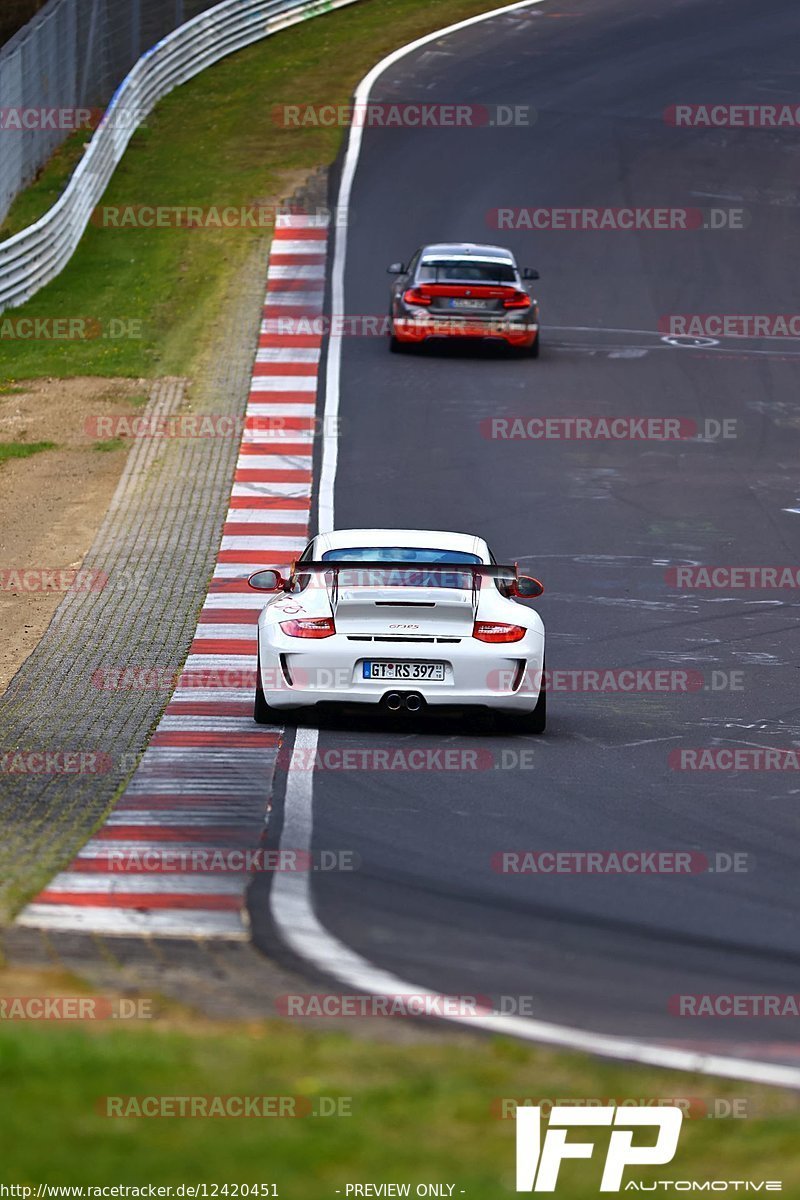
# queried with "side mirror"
point(397, 268)
point(530, 273)
point(267, 581)
point(525, 587)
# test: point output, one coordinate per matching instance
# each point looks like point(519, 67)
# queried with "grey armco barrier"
point(36, 255)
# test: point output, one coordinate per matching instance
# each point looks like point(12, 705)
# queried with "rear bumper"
point(505, 677)
point(416, 330)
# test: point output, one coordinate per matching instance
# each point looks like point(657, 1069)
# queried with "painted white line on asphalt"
point(291, 900)
point(199, 815)
point(227, 572)
point(268, 516)
point(259, 404)
point(149, 883)
point(274, 462)
point(220, 662)
point(260, 429)
point(210, 724)
point(297, 326)
point(290, 271)
point(289, 354)
point(284, 383)
point(117, 850)
point(258, 543)
point(209, 787)
point(318, 220)
point(185, 694)
point(119, 922)
point(306, 246)
point(309, 298)
point(252, 487)
point(225, 631)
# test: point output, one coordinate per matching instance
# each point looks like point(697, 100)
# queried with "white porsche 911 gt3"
point(405, 619)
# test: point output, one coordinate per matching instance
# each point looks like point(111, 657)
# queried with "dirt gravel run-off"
point(53, 502)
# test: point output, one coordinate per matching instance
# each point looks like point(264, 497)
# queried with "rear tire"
point(536, 720)
point(533, 351)
point(264, 713)
point(396, 346)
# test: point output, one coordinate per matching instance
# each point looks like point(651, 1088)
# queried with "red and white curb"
point(202, 787)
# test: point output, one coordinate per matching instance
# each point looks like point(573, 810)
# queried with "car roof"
point(467, 250)
point(436, 539)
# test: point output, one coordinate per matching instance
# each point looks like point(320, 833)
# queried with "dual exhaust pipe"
point(410, 701)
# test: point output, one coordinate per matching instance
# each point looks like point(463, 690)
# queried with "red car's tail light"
point(416, 296)
point(309, 627)
point(517, 300)
point(497, 631)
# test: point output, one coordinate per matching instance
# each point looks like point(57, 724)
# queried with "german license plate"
point(404, 670)
point(469, 303)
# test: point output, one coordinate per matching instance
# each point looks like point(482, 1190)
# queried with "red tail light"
point(416, 296)
point(517, 300)
point(497, 631)
point(309, 627)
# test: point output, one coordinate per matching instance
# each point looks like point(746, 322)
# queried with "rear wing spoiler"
point(486, 570)
point(380, 574)
point(463, 576)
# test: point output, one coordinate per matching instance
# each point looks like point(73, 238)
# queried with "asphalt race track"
point(599, 522)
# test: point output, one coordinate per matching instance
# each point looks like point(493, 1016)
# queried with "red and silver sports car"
point(463, 290)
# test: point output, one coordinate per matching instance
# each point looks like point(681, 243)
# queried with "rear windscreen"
point(447, 270)
point(383, 574)
point(403, 554)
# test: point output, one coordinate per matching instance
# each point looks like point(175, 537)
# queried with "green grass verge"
point(212, 142)
point(22, 449)
point(418, 1112)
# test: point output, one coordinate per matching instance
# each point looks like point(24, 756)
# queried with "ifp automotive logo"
point(539, 1159)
